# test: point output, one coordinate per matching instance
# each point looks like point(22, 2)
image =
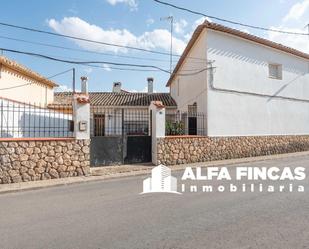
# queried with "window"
point(178, 87)
point(99, 125)
point(275, 71)
point(192, 109)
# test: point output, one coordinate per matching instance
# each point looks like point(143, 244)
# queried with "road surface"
point(112, 214)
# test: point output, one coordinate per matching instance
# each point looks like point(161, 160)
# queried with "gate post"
point(157, 111)
point(81, 112)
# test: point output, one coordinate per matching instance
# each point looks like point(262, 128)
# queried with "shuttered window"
point(275, 71)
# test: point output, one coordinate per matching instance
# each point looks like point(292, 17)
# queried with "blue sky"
point(133, 23)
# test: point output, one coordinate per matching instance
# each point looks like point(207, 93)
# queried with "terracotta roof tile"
point(118, 99)
point(26, 71)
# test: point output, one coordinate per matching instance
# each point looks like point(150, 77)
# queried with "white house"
point(119, 112)
point(24, 97)
point(19, 83)
point(248, 85)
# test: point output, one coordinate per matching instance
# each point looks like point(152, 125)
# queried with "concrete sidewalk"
point(109, 172)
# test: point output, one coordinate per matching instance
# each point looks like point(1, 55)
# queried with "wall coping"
point(255, 136)
point(37, 139)
point(184, 136)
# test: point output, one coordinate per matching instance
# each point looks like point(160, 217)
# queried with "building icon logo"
point(160, 181)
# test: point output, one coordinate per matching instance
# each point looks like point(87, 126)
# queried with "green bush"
point(174, 128)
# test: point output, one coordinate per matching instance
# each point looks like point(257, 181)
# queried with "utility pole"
point(171, 19)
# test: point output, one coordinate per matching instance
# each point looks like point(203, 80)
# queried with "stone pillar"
point(81, 116)
point(157, 114)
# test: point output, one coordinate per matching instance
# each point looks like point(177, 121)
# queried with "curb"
point(17, 187)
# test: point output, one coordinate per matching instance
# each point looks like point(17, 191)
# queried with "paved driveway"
point(111, 214)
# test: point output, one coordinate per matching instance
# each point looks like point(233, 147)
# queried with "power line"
point(91, 41)
point(55, 75)
point(80, 50)
point(13, 87)
point(88, 63)
point(226, 20)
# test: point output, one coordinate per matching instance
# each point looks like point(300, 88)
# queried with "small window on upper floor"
point(275, 71)
point(178, 87)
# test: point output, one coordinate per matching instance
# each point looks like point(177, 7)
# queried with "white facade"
point(187, 90)
point(20, 87)
point(240, 99)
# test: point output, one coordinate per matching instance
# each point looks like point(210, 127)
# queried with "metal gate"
point(119, 136)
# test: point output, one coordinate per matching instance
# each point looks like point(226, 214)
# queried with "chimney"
point(116, 87)
point(150, 84)
point(84, 84)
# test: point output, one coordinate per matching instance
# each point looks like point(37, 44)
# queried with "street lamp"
point(171, 19)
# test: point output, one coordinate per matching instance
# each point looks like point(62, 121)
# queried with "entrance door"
point(192, 123)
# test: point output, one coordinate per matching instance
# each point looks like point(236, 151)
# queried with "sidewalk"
point(110, 172)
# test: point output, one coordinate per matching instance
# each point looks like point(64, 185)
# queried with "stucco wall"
point(34, 93)
point(32, 160)
point(192, 88)
point(244, 101)
point(180, 150)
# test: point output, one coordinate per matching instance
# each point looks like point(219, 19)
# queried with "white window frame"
point(278, 68)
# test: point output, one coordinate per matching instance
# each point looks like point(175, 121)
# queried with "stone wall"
point(43, 159)
point(180, 150)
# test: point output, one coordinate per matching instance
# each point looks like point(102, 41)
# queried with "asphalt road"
point(111, 214)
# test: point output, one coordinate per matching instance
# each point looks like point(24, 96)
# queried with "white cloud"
point(74, 26)
point(297, 11)
point(150, 21)
point(63, 88)
point(299, 42)
point(107, 67)
point(195, 24)
point(180, 25)
point(144, 90)
point(131, 3)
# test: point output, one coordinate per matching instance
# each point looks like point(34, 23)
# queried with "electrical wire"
point(226, 20)
point(55, 75)
point(79, 50)
point(89, 63)
point(13, 87)
point(91, 41)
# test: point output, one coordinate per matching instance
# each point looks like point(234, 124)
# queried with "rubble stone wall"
point(190, 149)
point(43, 159)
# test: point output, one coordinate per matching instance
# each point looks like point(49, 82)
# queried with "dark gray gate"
point(119, 136)
point(138, 149)
point(106, 151)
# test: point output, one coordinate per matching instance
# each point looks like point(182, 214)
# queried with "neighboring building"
point(251, 86)
point(21, 84)
point(118, 112)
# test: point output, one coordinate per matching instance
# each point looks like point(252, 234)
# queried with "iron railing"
point(119, 121)
point(18, 120)
point(184, 123)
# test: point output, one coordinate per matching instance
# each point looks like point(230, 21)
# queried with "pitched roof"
point(244, 35)
point(25, 71)
point(117, 99)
